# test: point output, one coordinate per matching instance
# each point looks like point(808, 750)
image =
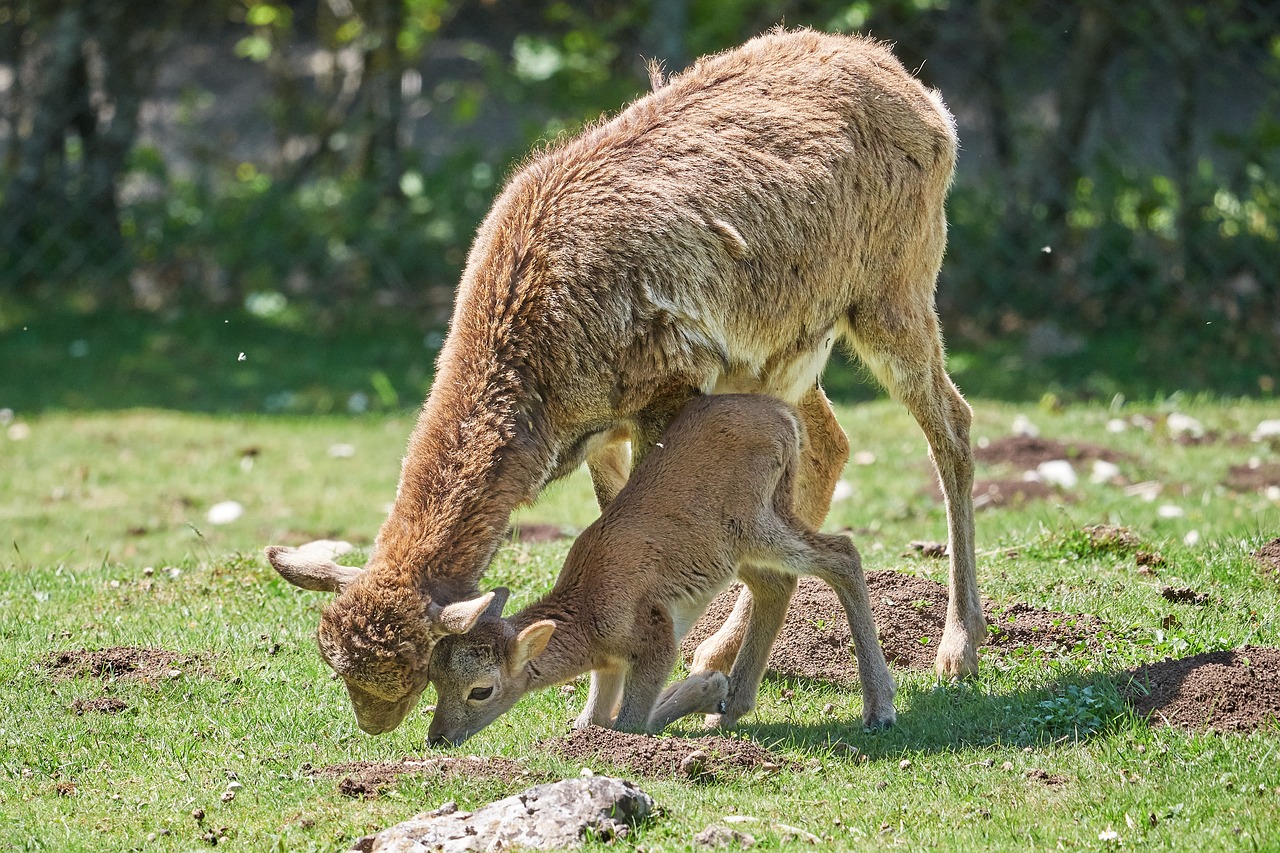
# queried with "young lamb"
point(713, 502)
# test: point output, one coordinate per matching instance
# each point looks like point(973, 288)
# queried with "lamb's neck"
point(475, 454)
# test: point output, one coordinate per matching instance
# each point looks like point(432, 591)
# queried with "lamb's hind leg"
point(701, 693)
point(836, 561)
point(822, 458)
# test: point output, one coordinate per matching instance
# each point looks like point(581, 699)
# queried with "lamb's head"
point(480, 674)
point(377, 636)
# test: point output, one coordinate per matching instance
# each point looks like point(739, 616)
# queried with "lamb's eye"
point(479, 694)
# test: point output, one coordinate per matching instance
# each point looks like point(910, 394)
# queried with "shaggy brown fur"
point(719, 235)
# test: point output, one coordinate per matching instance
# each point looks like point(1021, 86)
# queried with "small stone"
point(904, 764)
point(228, 796)
point(717, 835)
point(828, 709)
point(1007, 766)
point(694, 764)
point(198, 814)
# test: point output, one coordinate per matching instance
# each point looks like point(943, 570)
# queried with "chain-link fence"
point(1120, 163)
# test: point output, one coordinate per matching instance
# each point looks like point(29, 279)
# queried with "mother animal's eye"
point(479, 694)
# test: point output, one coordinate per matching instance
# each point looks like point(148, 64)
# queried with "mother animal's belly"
point(787, 375)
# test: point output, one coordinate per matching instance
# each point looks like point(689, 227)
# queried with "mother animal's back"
point(789, 160)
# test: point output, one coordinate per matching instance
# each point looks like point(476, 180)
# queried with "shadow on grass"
point(378, 360)
point(949, 717)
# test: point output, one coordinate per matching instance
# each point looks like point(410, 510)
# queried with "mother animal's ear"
point(531, 642)
point(311, 566)
point(461, 617)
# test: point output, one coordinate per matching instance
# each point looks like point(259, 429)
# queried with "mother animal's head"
point(377, 636)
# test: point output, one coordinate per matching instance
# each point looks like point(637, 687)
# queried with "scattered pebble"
point(1180, 424)
point(904, 764)
point(843, 491)
point(1170, 511)
point(1022, 426)
point(1117, 425)
point(1057, 472)
point(1191, 539)
point(225, 512)
point(1266, 429)
point(1103, 471)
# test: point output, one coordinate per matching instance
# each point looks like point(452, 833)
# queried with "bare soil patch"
point(367, 778)
point(100, 705)
point(134, 662)
point(702, 758)
point(1025, 453)
point(1254, 478)
point(995, 493)
point(535, 532)
point(910, 613)
point(1268, 556)
point(1236, 691)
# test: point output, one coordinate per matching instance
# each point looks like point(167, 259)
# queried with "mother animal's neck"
point(476, 453)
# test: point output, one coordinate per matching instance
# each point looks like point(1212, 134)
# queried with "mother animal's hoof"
point(957, 656)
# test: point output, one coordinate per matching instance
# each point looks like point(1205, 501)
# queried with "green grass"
point(94, 495)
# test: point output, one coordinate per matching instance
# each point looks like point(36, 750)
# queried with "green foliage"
point(1079, 711)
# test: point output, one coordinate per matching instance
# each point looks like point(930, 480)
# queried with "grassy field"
point(107, 542)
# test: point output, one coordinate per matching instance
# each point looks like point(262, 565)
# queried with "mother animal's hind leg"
point(822, 459)
point(904, 351)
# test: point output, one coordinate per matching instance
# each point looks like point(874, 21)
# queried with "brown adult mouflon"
point(719, 235)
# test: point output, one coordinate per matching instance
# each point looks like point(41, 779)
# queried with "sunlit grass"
point(90, 501)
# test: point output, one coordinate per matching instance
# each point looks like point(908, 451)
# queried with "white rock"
point(1191, 539)
point(224, 512)
point(326, 549)
point(1272, 493)
point(1148, 490)
point(1117, 425)
point(1103, 471)
point(1180, 424)
point(1058, 472)
point(555, 816)
point(19, 432)
point(864, 457)
point(843, 491)
point(1022, 426)
point(1266, 429)
point(1170, 511)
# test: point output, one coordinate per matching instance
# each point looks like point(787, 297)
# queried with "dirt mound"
point(367, 778)
point(144, 664)
point(1254, 478)
point(993, 493)
point(700, 758)
point(910, 613)
point(1235, 691)
point(1025, 453)
point(1268, 556)
point(534, 532)
point(100, 705)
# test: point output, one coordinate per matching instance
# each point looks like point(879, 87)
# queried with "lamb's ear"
point(312, 565)
point(461, 617)
point(531, 642)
